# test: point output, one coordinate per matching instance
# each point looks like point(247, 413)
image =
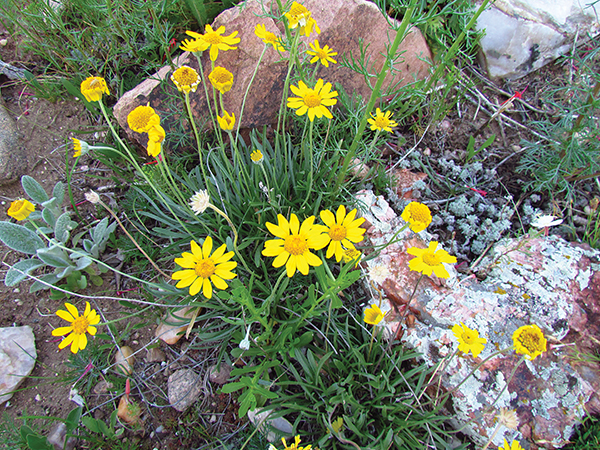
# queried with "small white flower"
point(546, 221)
point(199, 202)
point(245, 344)
point(92, 197)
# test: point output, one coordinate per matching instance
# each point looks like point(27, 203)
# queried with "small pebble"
point(38, 398)
point(3, 42)
point(16, 290)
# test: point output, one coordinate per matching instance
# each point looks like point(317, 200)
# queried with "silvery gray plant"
point(46, 238)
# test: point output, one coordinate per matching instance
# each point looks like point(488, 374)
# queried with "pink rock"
point(342, 22)
point(543, 281)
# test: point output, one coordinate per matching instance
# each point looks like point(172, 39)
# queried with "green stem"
point(309, 156)
point(400, 34)
point(188, 107)
point(235, 234)
point(139, 169)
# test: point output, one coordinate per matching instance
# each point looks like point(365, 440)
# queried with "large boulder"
point(532, 280)
point(344, 25)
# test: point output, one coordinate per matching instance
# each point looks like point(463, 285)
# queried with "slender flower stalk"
point(400, 34)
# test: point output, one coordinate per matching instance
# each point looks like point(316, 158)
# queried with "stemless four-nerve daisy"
point(80, 325)
point(299, 16)
point(221, 79)
point(529, 340)
point(142, 118)
point(515, 445)
point(373, 315)
point(201, 268)
point(342, 230)
point(92, 88)
point(257, 157)
point(226, 121)
point(268, 38)
point(156, 135)
point(314, 101)
point(20, 209)
point(210, 39)
point(79, 147)
point(429, 261)
point(468, 340)
point(382, 121)
point(293, 248)
point(417, 215)
point(185, 79)
point(323, 54)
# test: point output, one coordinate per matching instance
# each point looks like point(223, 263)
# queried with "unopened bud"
point(92, 197)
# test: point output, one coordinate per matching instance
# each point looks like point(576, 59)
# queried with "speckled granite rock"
point(184, 387)
point(543, 281)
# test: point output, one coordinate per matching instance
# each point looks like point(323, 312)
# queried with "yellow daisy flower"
point(142, 118)
point(20, 209)
point(79, 326)
point(294, 446)
point(314, 101)
point(529, 340)
point(210, 39)
point(79, 147)
point(185, 79)
point(201, 268)
point(323, 54)
point(227, 121)
point(92, 88)
point(429, 261)
point(294, 244)
point(299, 16)
point(221, 79)
point(256, 156)
point(351, 254)
point(268, 38)
point(156, 135)
point(373, 315)
point(468, 340)
point(515, 445)
point(341, 229)
point(417, 215)
point(381, 121)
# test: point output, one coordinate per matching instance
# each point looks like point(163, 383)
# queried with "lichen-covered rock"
point(343, 24)
point(533, 280)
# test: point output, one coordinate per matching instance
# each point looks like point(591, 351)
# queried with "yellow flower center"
point(312, 99)
point(321, 54)
point(418, 211)
point(213, 38)
point(205, 268)
point(337, 232)
point(531, 341)
point(185, 76)
point(139, 118)
point(381, 122)
point(431, 259)
point(295, 245)
point(80, 325)
point(220, 76)
point(468, 338)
